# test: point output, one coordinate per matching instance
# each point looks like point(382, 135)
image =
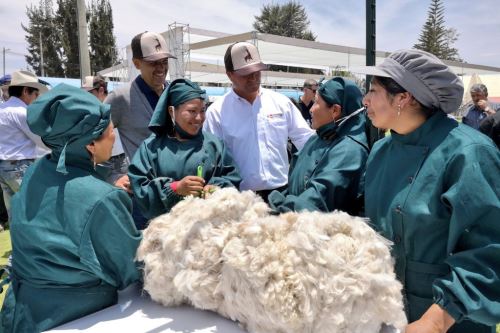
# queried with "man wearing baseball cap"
point(255, 123)
point(132, 104)
point(19, 147)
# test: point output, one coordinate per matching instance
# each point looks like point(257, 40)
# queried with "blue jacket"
point(73, 246)
point(328, 173)
point(435, 193)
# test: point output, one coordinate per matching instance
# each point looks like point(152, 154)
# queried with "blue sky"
point(333, 21)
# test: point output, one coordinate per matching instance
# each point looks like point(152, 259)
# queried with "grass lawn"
point(5, 250)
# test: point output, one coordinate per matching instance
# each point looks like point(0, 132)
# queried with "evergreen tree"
point(42, 31)
point(289, 20)
point(103, 52)
point(59, 34)
point(435, 38)
point(66, 20)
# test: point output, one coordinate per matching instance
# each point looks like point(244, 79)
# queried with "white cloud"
point(333, 21)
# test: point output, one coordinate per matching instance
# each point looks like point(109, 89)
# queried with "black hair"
point(228, 60)
point(101, 83)
point(17, 91)
point(392, 88)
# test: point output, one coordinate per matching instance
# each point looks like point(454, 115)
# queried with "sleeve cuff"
point(449, 307)
point(173, 186)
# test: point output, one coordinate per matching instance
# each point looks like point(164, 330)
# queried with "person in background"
point(432, 188)
point(4, 96)
point(490, 126)
point(4, 87)
point(179, 159)
point(19, 146)
point(132, 104)
point(117, 165)
point(306, 101)
point(255, 123)
point(73, 237)
point(481, 108)
point(328, 173)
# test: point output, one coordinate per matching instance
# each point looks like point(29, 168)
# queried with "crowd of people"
point(82, 171)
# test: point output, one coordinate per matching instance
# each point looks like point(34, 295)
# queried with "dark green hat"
point(178, 92)
point(67, 118)
point(342, 92)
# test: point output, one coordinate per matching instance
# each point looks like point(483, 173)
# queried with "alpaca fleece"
point(297, 272)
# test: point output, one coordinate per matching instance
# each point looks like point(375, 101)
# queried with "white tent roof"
point(206, 51)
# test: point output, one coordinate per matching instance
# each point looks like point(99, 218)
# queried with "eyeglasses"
point(163, 62)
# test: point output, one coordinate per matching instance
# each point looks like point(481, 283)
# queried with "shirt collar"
point(238, 97)
point(421, 135)
point(14, 101)
point(150, 94)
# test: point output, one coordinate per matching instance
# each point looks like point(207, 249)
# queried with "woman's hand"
point(434, 320)
point(190, 185)
point(208, 190)
point(124, 183)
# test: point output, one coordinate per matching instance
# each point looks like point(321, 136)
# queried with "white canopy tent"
point(200, 56)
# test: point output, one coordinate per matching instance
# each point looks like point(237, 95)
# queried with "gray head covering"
point(422, 74)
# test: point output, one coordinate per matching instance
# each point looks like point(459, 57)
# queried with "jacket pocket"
point(418, 285)
point(417, 306)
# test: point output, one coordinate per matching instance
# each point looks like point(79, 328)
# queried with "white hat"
point(243, 58)
point(92, 82)
point(150, 46)
point(27, 79)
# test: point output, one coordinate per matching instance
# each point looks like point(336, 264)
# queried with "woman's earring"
point(93, 161)
point(399, 110)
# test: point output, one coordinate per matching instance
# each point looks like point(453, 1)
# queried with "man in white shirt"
point(255, 123)
point(19, 147)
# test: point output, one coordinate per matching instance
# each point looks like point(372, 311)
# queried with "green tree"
point(59, 35)
point(103, 52)
point(435, 38)
point(289, 20)
point(66, 20)
point(43, 31)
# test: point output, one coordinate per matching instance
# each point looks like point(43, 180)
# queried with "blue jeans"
point(11, 175)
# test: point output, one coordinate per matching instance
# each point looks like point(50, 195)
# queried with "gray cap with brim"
point(422, 74)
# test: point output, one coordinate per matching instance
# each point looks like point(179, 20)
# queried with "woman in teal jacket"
point(328, 172)
point(73, 237)
point(179, 159)
point(433, 188)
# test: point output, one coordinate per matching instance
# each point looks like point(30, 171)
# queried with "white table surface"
point(136, 313)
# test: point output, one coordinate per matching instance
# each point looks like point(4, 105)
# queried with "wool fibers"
point(296, 272)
